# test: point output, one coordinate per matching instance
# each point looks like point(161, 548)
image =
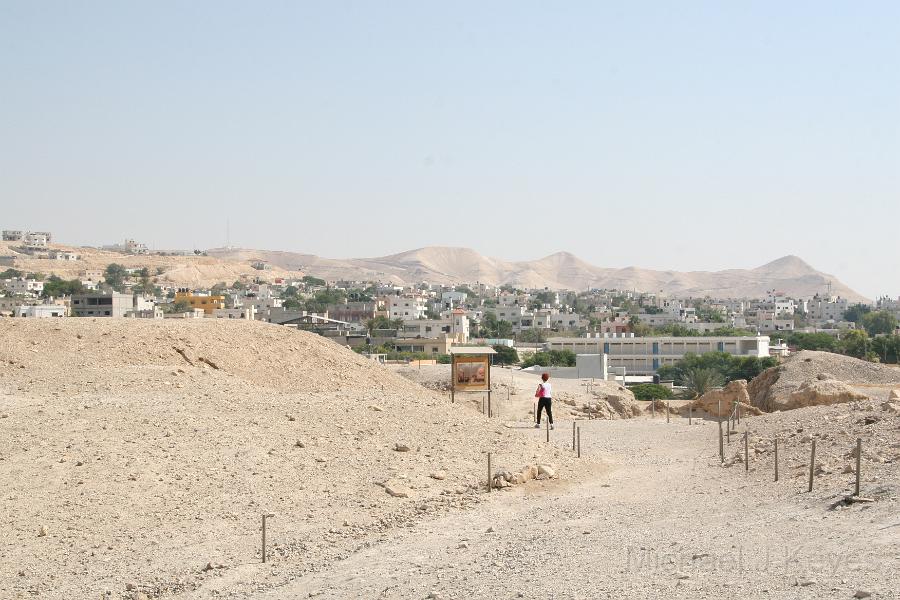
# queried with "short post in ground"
point(264, 517)
point(858, 463)
point(812, 464)
point(573, 435)
point(721, 443)
point(489, 477)
point(746, 451)
point(667, 411)
point(776, 459)
point(548, 427)
point(690, 413)
point(579, 442)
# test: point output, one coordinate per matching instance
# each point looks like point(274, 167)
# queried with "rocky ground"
point(136, 460)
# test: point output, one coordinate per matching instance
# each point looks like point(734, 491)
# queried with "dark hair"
point(545, 376)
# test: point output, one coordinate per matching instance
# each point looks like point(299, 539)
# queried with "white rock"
point(401, 447)
point(439, 475)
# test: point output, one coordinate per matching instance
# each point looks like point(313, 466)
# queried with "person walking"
point(545, 399)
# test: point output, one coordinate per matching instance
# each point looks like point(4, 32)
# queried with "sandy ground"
point(149, 475)
point(662, 520)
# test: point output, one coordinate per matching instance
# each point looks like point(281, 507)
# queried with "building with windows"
point(644, 355)
point(112, 304)
point(406, 307)
point(207, 302)
point(41, 311)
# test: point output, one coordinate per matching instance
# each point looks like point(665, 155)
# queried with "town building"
point(41, 311)
point(36, 240)
point(208, 303)
point(23, 286)
point(406, 307)
point(112, 304)
point(13, 235)
point(644, 355)
point(820, 308)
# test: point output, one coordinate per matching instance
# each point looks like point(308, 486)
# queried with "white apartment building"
point(406, 307)
point(41, 311)
point(36, 240)
point(454, 326)
point(24, 286)
point(644, 355)
point(821, 308)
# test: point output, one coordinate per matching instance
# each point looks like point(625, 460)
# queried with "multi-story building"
point(112, 304)
point(644, 355)
point(27, 287)
point(36, 240)
point(13, 235)
point(207, 302)
point(133, 247)
point(352, 312)
point(406, 307)
point(821, 308)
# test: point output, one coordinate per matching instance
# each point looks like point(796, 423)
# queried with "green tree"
point(115, 276)
point(506, 355)
point(698, 381)
point(881, 322)
point(56, 287)
point(856, 312)
point(856, 343)
point(313, 281)
point(553, 358)
point(887, 348)
point(651, 391)
point(11, 274)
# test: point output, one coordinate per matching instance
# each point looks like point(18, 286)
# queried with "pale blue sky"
point(683, 135)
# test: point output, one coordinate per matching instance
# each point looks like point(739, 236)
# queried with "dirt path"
point(662, 521)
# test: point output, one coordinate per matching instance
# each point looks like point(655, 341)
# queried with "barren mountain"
point(562, 270)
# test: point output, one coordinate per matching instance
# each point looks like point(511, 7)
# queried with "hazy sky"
point(683, 135)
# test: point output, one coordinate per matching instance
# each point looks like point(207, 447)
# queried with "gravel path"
point(662, 520)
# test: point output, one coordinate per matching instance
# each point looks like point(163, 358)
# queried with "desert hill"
point(451, 265)
point(561, 270)
point(134, 453)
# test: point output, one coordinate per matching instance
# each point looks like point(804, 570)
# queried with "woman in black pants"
point(545, 399)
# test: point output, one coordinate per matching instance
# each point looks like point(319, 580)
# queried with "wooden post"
point(720, 410)
point(653, 408)
point(489, 405)
point(548, 428)
point(490, 475)
point(667, 411)
point(264, 517)
point(573, 436)
point(812, 464)
point(776, 459)
point(579, 442)
point(858, 463)
point(728, 431)
point(746, 451)
point(691, 413)
point(721, 443)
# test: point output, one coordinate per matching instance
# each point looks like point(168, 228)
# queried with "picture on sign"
point(471, 372)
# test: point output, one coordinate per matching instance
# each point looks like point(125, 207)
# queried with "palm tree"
point(698, 381)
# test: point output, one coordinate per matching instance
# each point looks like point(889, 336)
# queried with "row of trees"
point(702, 372)
point(855, 343)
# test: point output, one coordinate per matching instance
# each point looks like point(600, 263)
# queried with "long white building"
point(644, 355)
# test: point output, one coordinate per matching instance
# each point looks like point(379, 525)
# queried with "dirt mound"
point(605, 400)
point(138, 452)
point(821, 391)
point(772, 389)
point(720, 402)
